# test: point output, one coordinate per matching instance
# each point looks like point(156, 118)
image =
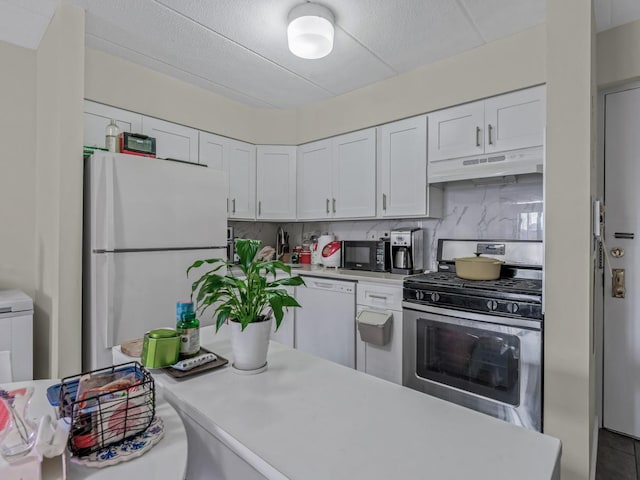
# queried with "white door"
point(621, 392)
point(314, 180)
point(143, 203)
point(97, 116)
point(404, 167)
point(172, 140)
point(276, 182)
point(134, 292)
point(241, 161)
point(354, 175)
point(515, 120)
point(456, 132)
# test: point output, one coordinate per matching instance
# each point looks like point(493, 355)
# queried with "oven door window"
point(479, 361)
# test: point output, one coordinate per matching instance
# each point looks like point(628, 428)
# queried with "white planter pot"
point(250, 346)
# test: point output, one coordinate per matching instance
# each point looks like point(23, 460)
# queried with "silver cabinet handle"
point(379, 297)
point(384, 201)
point(259, 208)
point(477, 136)
point(328, 206)
point(233, 206)
point(227, 204)
point(334, 205)
point(490, 131)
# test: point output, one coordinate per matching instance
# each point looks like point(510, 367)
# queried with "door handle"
point(108, 291)
point(227, 204)
point(477, 136)
point(490, 132)
point(618, 289)
point(334, 205)
point(233, 206)
point(328, 206)
point(384, 201)
point(259, 208)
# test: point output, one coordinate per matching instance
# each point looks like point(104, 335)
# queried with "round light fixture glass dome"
point(310, 31)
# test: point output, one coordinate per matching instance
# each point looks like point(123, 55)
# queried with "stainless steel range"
point(478, 343)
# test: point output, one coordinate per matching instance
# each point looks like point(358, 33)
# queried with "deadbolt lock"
point(617, 283)
point(617, 252)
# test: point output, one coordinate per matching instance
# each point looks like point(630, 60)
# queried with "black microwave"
point(372, 255)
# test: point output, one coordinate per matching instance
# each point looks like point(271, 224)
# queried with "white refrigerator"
point(146, 220)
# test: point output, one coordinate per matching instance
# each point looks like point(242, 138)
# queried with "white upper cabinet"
point(403, 171)
point(276, 182)
point(242, 180)
point(238, 161)
point(172, 140)
point(354, 175)
point(506, 122)
point(337, 177)
point(456, 132)
point(515, 120)
point(211, 151)
point(314, 180)
point(97, 116)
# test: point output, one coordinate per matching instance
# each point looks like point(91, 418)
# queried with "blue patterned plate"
point(127, 450)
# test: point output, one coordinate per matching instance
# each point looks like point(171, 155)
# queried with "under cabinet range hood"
point(515, 162)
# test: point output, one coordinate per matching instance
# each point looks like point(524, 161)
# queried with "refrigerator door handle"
point(109, 287)
point(109, 217)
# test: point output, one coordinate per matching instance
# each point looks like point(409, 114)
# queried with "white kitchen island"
point(306, 418)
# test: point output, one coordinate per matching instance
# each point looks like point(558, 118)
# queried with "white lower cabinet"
point(209, 458)
point(382, 361)
point(285, 334)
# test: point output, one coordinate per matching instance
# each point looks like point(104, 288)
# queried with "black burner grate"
point(506, 285)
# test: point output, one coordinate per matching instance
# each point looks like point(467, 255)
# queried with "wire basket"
point(106, 406)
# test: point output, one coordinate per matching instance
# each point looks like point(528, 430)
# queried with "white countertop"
point(165, 461)
point(306, 418)
point(343, 274)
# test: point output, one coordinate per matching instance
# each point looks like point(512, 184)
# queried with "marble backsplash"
point(505, 211)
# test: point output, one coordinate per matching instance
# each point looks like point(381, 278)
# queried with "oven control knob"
point(512, 307)
point(419, 295)
point(435, 297)
point(492, 305)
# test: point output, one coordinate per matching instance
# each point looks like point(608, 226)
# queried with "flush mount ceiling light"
point(310, 31)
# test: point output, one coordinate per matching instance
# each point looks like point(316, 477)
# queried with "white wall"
point(568, 372)
point(58, 181)
point(17, 168)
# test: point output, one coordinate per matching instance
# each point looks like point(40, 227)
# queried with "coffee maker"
point(407, 251)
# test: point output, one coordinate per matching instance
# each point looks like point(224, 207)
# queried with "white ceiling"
point(238, 48)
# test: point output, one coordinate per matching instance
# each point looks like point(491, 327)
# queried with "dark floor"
point(618, 457)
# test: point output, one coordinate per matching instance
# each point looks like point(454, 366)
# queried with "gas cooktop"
point(508, 285)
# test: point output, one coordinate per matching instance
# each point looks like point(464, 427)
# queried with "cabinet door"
point(276, 182)
point(211, 150)
point(241, 158)
point(456, 132)
point(98, 116)
point(314, 180)
point(354, 175)
point(172, 140)
point(403, 147)
point(515, 120)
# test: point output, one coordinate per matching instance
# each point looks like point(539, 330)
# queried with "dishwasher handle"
point(345, 287)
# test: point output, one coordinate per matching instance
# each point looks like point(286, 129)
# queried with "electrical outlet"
point(386, 234)
point(372, 235)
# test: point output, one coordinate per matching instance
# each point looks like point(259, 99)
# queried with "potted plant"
point(246, 300)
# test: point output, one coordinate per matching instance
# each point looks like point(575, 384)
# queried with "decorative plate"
point(127, 450)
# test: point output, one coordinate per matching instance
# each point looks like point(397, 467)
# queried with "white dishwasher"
point(324, 324)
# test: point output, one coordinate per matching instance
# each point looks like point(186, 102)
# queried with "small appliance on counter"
point(282, 243)
point(331, 254)
point(160, 348)
point(407, 251)
point(137, 144)
point(322, 241)
point(371, 255)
